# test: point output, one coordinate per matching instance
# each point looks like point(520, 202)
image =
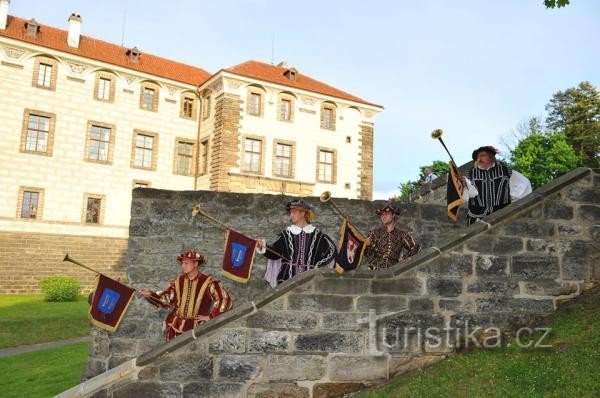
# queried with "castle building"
point(85, 121)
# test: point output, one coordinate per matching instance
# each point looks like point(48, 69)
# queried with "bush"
point(60, 288)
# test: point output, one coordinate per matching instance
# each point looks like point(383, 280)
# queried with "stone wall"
point(322, 334)
point(26, 258)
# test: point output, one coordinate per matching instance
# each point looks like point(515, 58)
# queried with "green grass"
point(570, 368)
point(42, 373)
point(28, 319)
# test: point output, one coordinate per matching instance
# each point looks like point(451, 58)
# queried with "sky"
point(475, 69)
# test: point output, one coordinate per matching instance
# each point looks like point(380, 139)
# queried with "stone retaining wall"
point(322, 334)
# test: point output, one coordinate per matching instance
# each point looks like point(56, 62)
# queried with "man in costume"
point(491, 185)
point(193, 297)
point(388, 245)
point(299, 247)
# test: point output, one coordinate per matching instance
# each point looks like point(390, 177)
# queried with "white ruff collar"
point(295, 230)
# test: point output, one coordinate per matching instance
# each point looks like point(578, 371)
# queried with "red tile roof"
point(275, 74)
point(99, 50)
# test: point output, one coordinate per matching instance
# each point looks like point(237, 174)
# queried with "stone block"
point(530, 267)
point(122, 347)
point(319, 302)
point(187, 367)
point(554, 210)
point(277, 390)
point(295, 367)
point(342, 286)
point(94, 367)
point(456, 305)
point(148, 390)
point(543, 306)
point(239, 367)
point(548, 246)
point(329, 342)
point(508, 245)
point(529, 228)
point(148, 373)
point(491, 265)
point(403, 364)
point(420, 305)
point(594, 231)
point(284, 320)
point(444, 287)
point(494, 286)
point(454, 265)
point(343, 320)
point(589, 213)
point(268, 341)
point(381, 303)
point(397, 286)
point(216, 390)
point(433, 212)
point(548, 288)
point(353, 368)
point(583, 194)
point(331, 390)
point(569, 230)
point(229, 341)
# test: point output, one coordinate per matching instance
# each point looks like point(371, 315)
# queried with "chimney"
point(134, 54)
point(74, 30)
point(282, 64)
point(3, 13)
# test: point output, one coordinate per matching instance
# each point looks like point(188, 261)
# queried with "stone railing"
point(322, 334)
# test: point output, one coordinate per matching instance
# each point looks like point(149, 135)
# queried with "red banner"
point(238, 257)
point(110, 301)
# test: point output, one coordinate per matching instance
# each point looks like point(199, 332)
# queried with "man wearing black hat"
point(491, 185)
point(301, 246)
point(388, 245)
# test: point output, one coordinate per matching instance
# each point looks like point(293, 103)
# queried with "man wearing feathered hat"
point(388, 245)
point(491, 185)
point(300, 246)
point(193, 297)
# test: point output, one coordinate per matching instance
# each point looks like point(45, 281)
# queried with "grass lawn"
point(42, 373)
point(28, 319)
point(570, 368)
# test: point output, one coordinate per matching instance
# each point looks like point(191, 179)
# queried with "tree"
point(555, 3)
point(542, 157)
point(576, 111)
point(409, 187)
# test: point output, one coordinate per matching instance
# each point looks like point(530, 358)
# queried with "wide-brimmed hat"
point(192, 255)
point(302, 205)
point(489, 149)
point(390, 206)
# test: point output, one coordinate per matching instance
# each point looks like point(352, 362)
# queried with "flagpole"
point(226, 227)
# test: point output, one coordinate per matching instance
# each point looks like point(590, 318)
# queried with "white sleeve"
point(470, 192)
point(264, 247)
point(519, 185)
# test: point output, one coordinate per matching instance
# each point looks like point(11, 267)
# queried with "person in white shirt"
point(429, 176)
point(491, 185)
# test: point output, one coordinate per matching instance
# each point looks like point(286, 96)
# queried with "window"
point(93, 210)
point(149, 97)
point(141, 184)
point(184, 154)
point(328, 116)
point(44, 73)
point(144, 150)
point(204, 157)
point(252, 155)
point(283, 160)
point(326, 166)
point(254, 107)
point(187, 107)
point(29, 205)
point(99, 143)
point(37, 135)
point(104, 87)
point(206, 107)
point(285, 110)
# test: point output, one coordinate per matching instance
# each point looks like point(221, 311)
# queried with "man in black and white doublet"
point(491, 185)
point(306, 246)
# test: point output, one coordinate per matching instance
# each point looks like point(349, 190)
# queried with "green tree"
point(409, 187)
point(543, 156)
point(576, 112)
point(555, 3)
